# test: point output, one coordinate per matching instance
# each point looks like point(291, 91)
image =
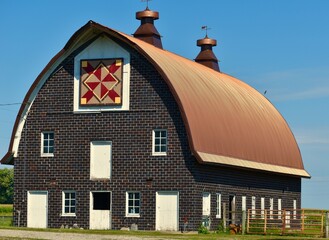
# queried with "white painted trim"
point(102, 48)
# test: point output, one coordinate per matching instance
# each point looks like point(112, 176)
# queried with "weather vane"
point(147, 2)
point(206, 28)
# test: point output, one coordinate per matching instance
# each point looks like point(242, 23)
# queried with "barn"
point(117, 131)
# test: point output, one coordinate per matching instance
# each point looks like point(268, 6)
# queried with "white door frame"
point(157, 214)
point(30, 214)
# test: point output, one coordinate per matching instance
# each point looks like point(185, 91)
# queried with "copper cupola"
point(147, 31)
point(206, 56)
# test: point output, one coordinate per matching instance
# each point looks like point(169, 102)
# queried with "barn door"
point(37, 209)
point(167, 211)
point(100, 210)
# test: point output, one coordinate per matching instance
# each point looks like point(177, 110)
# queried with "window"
point(244, 203)
point(219, 204)
point(295, 208)
point(159, 142)
point(47, 144)
point(101, 200)
point(133, 204)
point(253, 206)
point(271, 208)
point(262, 207)
point(206, 204)
point(279, 208)
point(69, 203)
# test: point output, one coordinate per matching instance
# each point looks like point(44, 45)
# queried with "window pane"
point(163, 148)
point(157, 149)
point(51, 135)
point(163, 141)
point(51, 142)
point(163, 133)
point(130, 203)
point(157, 141)
point(72, 202)
point(137, 210)
point(51, 150)
point(136, 203)
point(137, 195)
point(157, 133)
point(72, 209)
point(67, 209)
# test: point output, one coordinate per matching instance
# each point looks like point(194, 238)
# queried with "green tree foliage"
point(6, 185)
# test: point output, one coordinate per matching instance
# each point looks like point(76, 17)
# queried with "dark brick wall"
point(151, 106)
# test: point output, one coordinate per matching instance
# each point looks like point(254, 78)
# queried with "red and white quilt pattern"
point(101, 82)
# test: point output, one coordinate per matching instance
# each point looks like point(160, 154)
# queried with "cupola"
point(147, 31)
point(206, 56)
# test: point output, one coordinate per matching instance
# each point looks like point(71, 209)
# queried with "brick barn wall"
point(151, 106)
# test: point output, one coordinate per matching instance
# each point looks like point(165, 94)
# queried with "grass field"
point(6, 215)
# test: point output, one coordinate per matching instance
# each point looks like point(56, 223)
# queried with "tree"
point(6, 185)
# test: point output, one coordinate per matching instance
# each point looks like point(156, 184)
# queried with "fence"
point(287, 221)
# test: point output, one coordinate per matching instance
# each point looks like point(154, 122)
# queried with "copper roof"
point(227, 121)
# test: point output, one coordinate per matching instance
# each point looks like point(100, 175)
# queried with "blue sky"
point(281, 46)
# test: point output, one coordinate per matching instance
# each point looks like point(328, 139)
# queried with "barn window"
point(295, 208)
point(218, 205)
point(253, 206)
point(244, 203)
point(69, 203)
point(47, 144)
point(279, 208)
point(160, 141)
point(101, 201)
point(133, 204)
point(262, 207)
point(271, 208)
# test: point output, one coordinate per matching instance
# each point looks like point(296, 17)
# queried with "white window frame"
point(295, 208)
point(218, 205)
point(134, 199)
point(244, 203)
point(271, 207)
point(279, 208)
point(69, 214)
point(47, 154)
point(253, 206)
point(262, 206)
point(159, 153)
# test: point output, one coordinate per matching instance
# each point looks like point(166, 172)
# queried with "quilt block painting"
point(101, 82)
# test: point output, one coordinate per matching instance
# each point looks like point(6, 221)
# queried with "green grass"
point(6, 215)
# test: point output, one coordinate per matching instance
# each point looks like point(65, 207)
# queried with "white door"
point(37, 209)
point(100, 159)
point(167, 211)
point(100, 210)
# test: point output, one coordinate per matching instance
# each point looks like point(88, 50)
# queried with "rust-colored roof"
point(227, 121)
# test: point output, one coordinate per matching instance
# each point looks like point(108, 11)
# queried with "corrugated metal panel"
point(226, 117)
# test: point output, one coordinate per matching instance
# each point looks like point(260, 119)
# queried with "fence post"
point(243, 222)
point(265, 220)
point(327, 224)
point(224, 217)
point(283, 221)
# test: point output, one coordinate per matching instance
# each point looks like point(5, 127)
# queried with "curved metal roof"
point(227, 121)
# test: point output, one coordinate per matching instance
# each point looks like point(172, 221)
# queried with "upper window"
point(133, 204)
point(69, 203)
point(160, 142)
point(47, 144)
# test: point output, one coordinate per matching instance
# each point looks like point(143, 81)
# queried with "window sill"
point(68, 215)
point(47, 155)
point(159, 154)
point(133, 216)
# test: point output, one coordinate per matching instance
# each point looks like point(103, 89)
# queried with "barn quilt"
point(101, 82)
